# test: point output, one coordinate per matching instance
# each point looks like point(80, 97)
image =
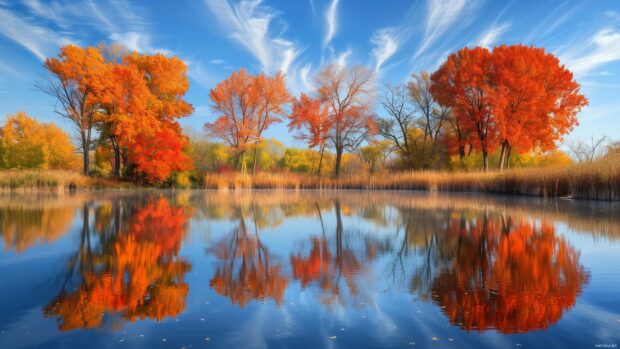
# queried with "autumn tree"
point(347, 94)
point(507, 274)
point(247, 105)
point(537, 97)
point(375, 154)
point(432, 115)
point(464, 83)
point(128, 265)
point(515, 97)
point(414, 123)
point(76, 73)
point(27, 143)
point(246, 270)
point(311, 121)
point(140, 100)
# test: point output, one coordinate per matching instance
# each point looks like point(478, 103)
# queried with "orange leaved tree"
point(309, 118)
point(515, 97)
point(345, 117)
point(140, 100)
point(76, 72)
point(538, 99)
point(247, 105)
point(464, 83)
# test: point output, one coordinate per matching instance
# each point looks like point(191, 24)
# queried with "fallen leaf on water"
point(435, 338)
point(332, 337)
point(207, 339)
point(411, 343)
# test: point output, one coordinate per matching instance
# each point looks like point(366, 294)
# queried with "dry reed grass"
point(598, 180)
point(52, 180)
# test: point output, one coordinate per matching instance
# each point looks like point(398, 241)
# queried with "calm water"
point(307, 270)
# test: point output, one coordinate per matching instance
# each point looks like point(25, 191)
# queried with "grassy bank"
point(54, 180)
point(597, 181)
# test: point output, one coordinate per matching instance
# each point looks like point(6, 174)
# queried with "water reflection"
point(246, 270)
point(484, 264)
point(127, 265)
point(335, 261)
point(513, 276)
point(26, 224)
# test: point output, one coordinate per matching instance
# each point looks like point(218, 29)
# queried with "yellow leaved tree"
point(27, 143)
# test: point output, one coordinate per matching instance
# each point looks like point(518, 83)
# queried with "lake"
point(305, 269)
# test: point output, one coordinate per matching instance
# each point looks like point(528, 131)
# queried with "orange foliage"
point(246, 270)
point(247, 105)
point(139, 98)
point(515, 96)
point(136, 273)
point(537, 97)
point(79, 72)
point(347, 95)
point(315, 267)
point(512, 277)
point(310, 118)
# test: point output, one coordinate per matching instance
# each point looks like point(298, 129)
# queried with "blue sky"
point(393, 37)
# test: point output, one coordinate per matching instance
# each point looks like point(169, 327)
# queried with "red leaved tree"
point(343, 116)
point(311, 121)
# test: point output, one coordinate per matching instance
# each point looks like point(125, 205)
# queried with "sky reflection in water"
point(304, 269)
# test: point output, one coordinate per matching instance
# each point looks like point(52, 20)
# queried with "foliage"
point(341, 115)
point(247, 105)
point(26, 143)
point(514, 96)
point(77, 74)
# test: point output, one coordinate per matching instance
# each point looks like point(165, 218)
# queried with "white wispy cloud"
point(440, 16)
point(217, 61)
point(202, 75)
point(602, 48)
point(248, 23)
point(38, 40)
point(386, 44)
point(331, 21)
point(304, 75)
point(342, 60)
point(47, 25)
point(136, 41)
point(492, 35)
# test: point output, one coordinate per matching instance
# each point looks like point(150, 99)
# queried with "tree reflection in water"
point(337, 264)
point(505, 274)
point(485, 268)
point(127, 265)
point(246, 271)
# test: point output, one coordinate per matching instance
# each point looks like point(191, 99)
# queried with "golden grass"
point(599, 180)
point(52, 180)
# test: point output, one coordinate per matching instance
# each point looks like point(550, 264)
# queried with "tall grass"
point(598, 180)
point(51, 180)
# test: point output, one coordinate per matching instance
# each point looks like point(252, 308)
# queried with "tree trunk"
point(241, 160)
point(255, 156)
point(321, 160)
point(117, 157)
point(508, 157)
point(86, 158)
point(338, 161)
point(339, 231)
point(485, 159)
point(502, 155)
